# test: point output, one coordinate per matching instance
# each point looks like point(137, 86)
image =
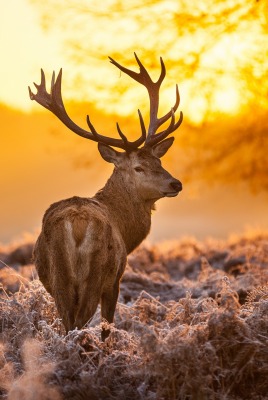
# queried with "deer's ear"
point(109, 154)
point(161, 148)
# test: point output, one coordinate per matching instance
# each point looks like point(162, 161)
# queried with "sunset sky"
point(218, 58)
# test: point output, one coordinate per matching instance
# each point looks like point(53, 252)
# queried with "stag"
point(81, 252)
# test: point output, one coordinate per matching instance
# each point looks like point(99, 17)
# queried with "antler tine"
point(140, 140)
point(53, 79)
point(163, 72)
point(162, 135)
point(163, 119)
point(121, 134)
point(42, 97)
point(142, 77)
point(54, 103)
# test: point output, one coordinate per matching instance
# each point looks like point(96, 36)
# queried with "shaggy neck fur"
point(129, 212)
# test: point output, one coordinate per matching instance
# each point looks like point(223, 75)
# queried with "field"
point(191, 323)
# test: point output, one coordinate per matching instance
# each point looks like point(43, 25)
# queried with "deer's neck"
point(128, 212)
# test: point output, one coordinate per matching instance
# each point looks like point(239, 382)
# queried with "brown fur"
point(82, 250)
point(79, 220)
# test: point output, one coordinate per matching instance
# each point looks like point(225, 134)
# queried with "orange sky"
point(38, 161)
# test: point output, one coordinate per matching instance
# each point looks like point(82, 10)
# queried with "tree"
point(216, 51)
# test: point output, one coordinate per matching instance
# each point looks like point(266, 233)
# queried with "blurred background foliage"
point(216, 51)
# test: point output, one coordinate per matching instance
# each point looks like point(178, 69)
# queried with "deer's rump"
point(78, 255)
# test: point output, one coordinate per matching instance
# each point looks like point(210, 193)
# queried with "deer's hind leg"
point(65, 287)
point(88, 300)
point(66, 302)
point(53, 266)
point(89, 293)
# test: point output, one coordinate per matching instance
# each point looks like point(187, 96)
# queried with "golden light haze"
point(24, 49)
point(215, 51)
point(85, 33)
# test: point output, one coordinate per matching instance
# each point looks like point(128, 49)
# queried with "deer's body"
point(82, 250)
point(80, 257)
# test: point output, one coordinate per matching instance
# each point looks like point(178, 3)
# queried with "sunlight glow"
point(227, 100)
point(210, 78)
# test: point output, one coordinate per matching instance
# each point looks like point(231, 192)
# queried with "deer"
point(81, 252)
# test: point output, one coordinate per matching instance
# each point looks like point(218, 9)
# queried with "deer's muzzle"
point(175, 188)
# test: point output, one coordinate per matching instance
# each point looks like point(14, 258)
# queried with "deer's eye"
point(139, 169)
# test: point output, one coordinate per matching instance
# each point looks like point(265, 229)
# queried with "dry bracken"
point(193, 331)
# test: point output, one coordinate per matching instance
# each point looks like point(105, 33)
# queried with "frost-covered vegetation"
point(191, 323)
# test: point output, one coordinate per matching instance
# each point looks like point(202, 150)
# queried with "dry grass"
point(191, 323)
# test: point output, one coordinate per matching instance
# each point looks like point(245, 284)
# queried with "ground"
point(191, 323)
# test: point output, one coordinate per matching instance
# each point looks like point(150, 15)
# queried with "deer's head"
point(140, 160)
point(142, 169)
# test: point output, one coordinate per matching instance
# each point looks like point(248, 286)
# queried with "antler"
point(54, 103)
point(153, 90)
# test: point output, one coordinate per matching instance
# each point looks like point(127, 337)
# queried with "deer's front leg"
point(108, 304)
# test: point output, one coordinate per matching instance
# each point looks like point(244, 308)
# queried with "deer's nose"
point(176, 186)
